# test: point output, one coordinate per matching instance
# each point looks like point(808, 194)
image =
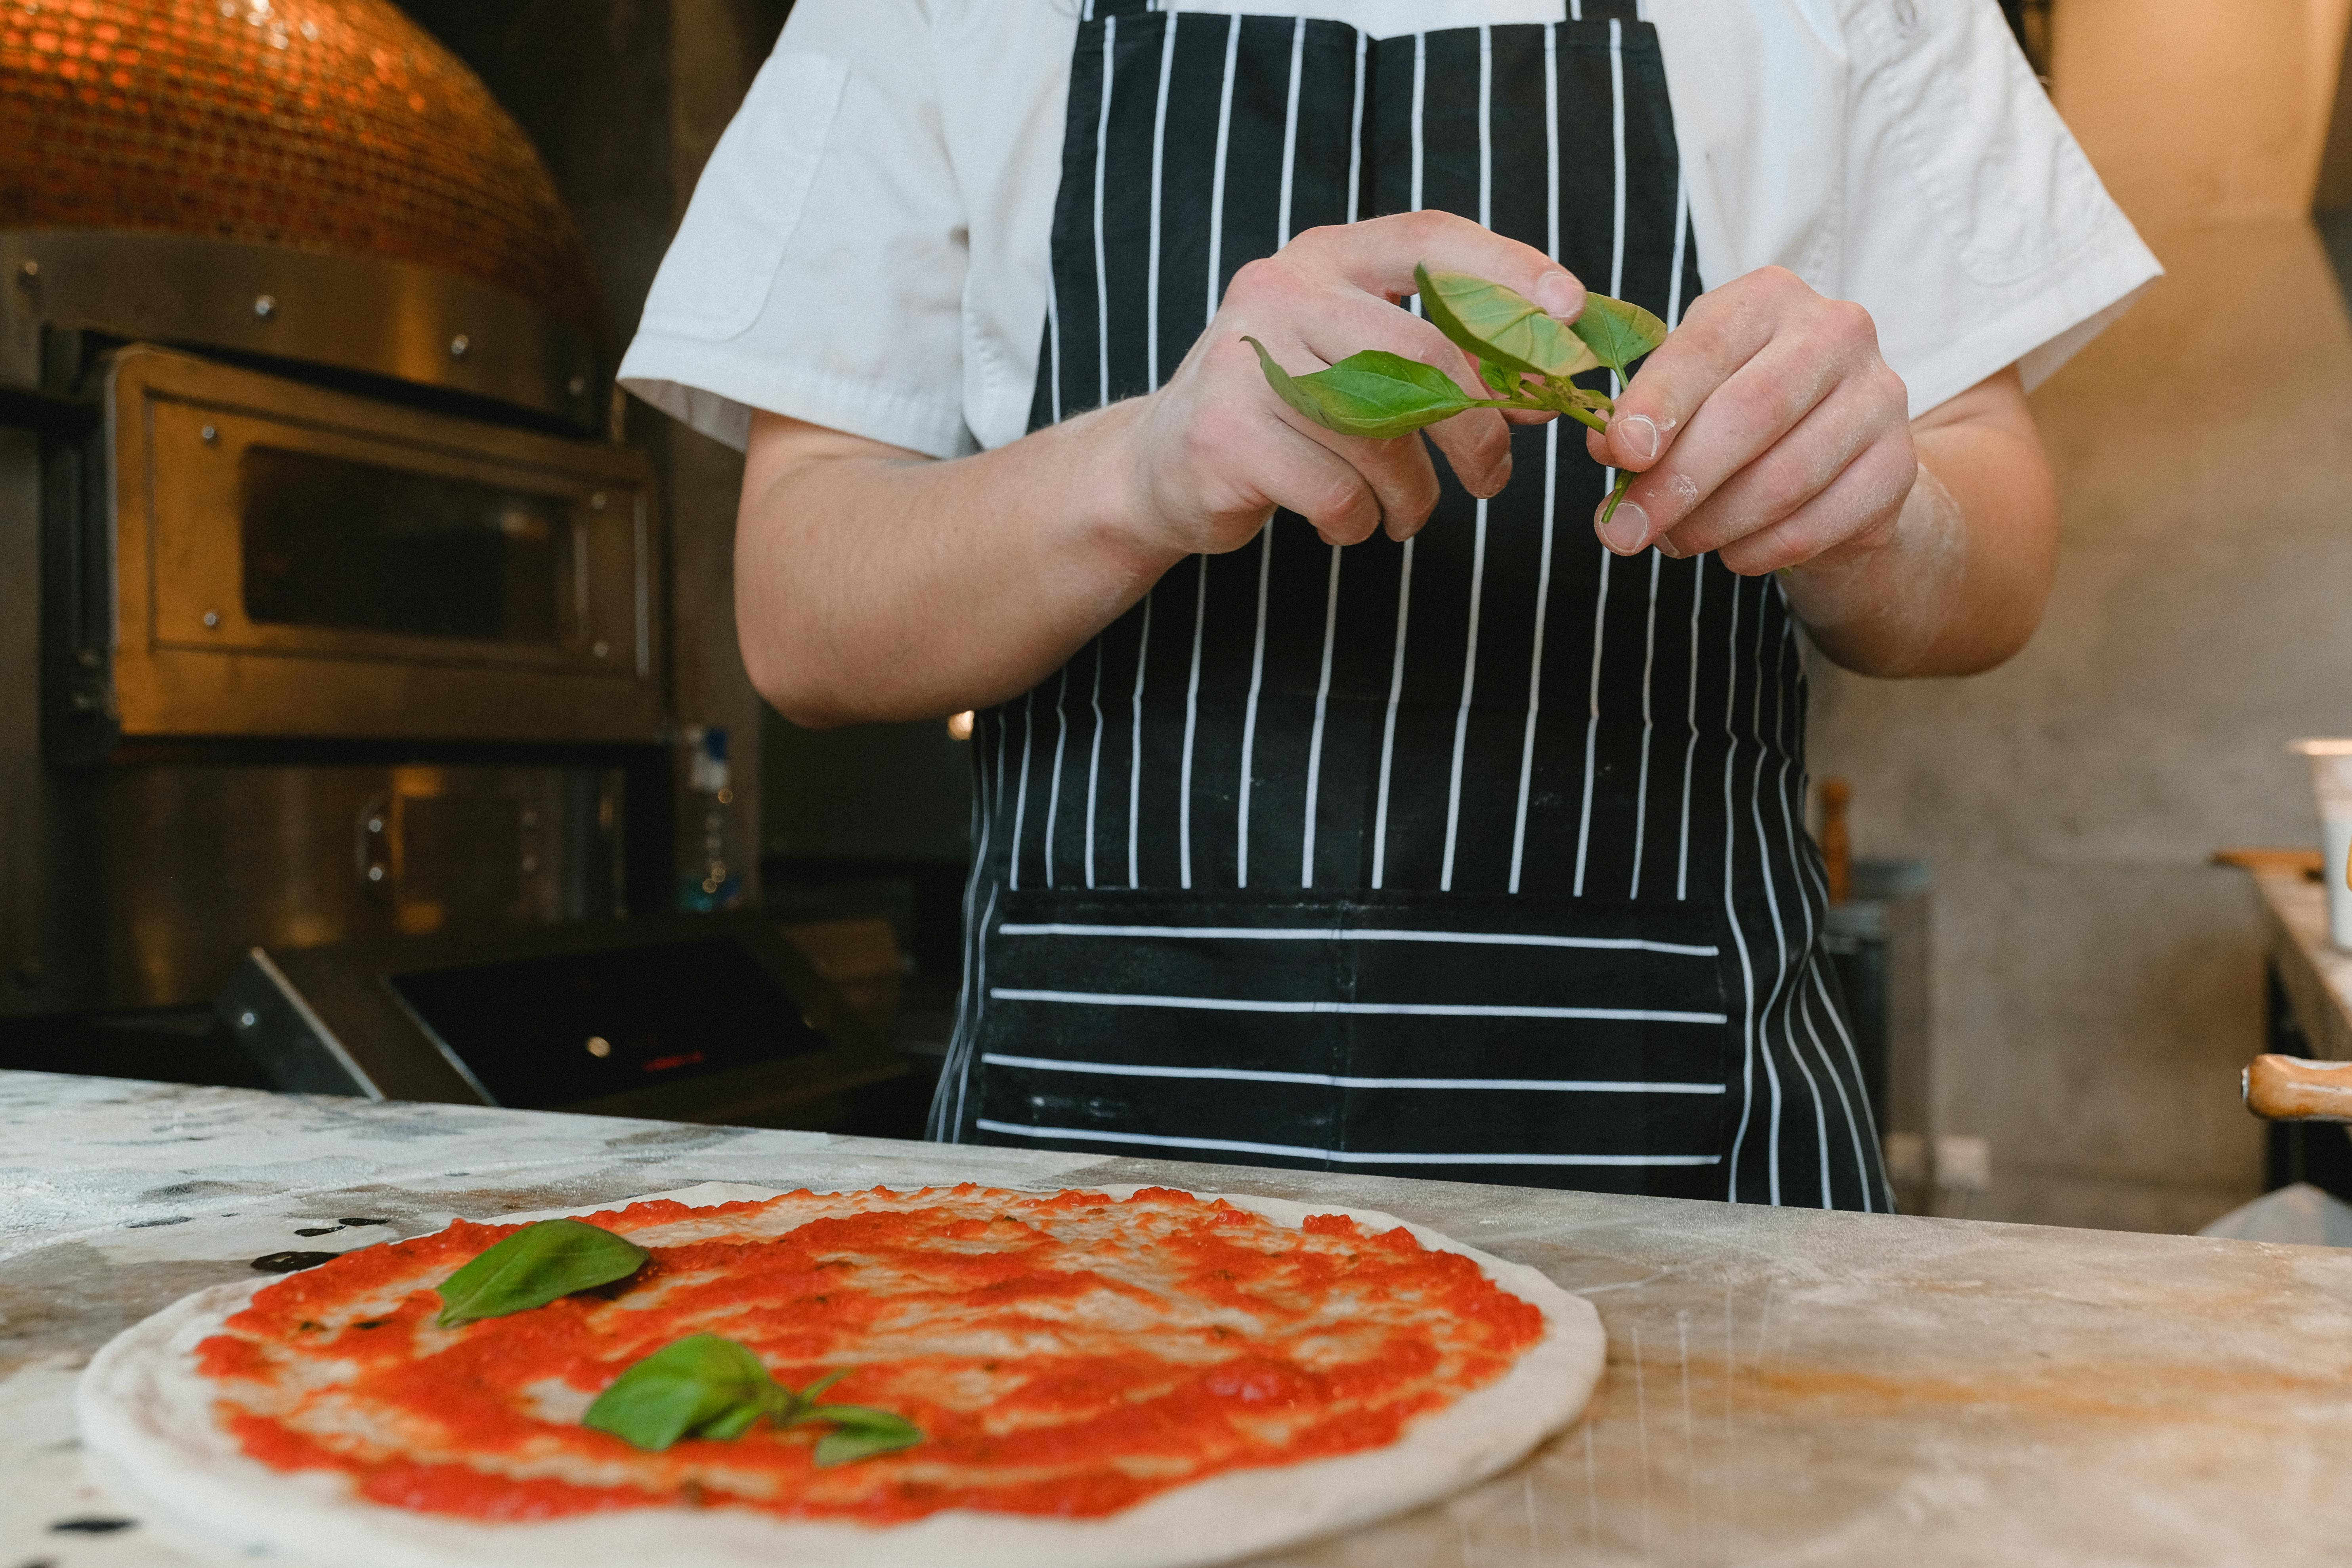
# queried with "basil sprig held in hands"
point(707, 1386)
point(1520, 350)
point(536, 1265)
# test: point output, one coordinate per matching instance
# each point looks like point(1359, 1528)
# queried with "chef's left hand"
point(1766, 428)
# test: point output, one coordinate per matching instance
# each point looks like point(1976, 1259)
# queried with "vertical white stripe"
point(1552, 465)
point(1690, 751)
point(1731, 918)
point(1021, 798)
point(1405, 574)
point(1094, 761)
point(1420, 100)
point(1315, 743)
point(1054, 789)
point(1257, 682)
point(1192, 725)
point(1853, 1060)
point(1102, 269)
point(1356, 137)
point(1771, 893)
point(1159, 148)
point(1054, 342)
point(1135, 763)
point(1290, 128)
point(1808, 951)
point(1479, 546)
point(1388, 726)
point(1682, 232)
point(1331, 594)
point(1217, 181)
point(1609, 477)
point(1534, 659)
point(1617, 130)
point(1642, 784)
point(1462, 714)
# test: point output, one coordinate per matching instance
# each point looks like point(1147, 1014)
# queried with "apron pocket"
point(1551, 1042)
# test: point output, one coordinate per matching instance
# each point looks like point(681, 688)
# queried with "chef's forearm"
point(1959, 585)
point(871, 584)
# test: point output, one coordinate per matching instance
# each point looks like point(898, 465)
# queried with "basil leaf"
point(1617, 332)
point(1495, 324)
point(1372, 394)
point(1503, 378)
point(536, 1265)
point(860, 1433)
point(700, 1386)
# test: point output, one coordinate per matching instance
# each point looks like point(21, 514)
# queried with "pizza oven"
point(332, 608)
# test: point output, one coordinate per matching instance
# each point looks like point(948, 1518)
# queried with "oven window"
point(357, 547)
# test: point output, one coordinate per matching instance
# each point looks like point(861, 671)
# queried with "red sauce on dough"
point(1066, 1355)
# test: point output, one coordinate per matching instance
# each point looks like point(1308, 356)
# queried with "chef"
point(1363, 804)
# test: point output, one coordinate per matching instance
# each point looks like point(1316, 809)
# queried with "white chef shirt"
point(866, 249)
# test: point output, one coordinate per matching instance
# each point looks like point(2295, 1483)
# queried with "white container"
point(2331, 786)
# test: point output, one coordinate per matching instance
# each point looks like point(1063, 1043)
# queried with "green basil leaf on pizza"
point(538, 1264)
point(706, 1386)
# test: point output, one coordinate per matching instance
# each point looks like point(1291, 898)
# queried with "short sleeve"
point(819, 271)
point(1973, 227)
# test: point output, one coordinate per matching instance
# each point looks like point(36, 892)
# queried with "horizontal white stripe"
point(1334, 933)
point(1250, 1074)
point(1344, 1156)
point(1396, 1009)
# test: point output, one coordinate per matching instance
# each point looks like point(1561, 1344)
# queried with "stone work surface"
point(1784, 1386)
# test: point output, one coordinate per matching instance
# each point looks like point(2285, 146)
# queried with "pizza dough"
point(147, 1420)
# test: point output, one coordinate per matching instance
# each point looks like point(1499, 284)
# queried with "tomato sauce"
point(1066, 1355)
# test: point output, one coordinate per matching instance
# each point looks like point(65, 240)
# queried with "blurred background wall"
point(2097, 984)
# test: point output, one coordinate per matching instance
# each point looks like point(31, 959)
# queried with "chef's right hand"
point(1215, 451)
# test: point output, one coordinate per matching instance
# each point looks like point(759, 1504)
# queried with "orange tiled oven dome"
point(331, 126)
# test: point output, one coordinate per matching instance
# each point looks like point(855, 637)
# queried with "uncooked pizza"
point(948, 1377)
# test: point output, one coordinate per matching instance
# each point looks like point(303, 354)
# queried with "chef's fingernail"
point(1639, 435)
point(1668, 548)
point(1628, 530)
point(1560, 294)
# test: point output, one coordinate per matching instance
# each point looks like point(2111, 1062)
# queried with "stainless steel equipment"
point(315, 661)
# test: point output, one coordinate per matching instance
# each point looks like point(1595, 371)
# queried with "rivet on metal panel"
point(28, 272)
point(376, 824)
point(530, 863)
point(530, 819)
point(577, 386)
point(83, 702)
point(248, 1019)
point(458, 345)
point(89, 658)
point(596, 501)
point(602, 650)
point(599, 1046)
point(265, 306)
point(375, 873)
point(209, 434)
point(212, 617)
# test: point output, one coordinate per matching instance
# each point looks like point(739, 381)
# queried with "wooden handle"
point(2290, 1089)
point(1837, 848)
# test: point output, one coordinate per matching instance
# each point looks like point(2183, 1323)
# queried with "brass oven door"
point(292, 561)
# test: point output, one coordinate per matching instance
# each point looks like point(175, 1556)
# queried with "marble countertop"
point(1784, 1386)
point(2315, 973)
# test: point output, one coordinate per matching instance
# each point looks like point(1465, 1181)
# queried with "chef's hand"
point(1214, 452)
point(1766, 428)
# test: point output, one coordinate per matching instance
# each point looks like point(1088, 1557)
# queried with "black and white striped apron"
point(1480, 855)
